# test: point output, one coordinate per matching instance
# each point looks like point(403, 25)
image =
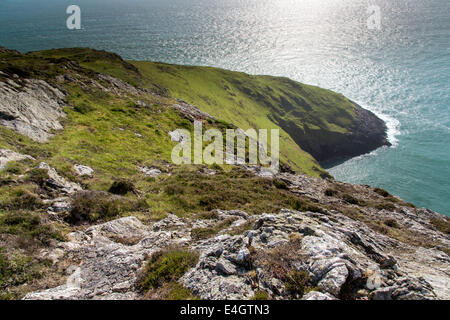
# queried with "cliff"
point(92, 208)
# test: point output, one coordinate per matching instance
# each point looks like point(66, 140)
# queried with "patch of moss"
point(261, 295)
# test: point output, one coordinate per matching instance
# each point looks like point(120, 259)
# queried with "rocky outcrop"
point(31, 107)
point(82, 170)
point(342, 257)
point(9, 155)
point(191, 112)
point(59, 183)
point(367, 133)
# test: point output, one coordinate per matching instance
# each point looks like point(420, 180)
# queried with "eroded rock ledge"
point(343, 257)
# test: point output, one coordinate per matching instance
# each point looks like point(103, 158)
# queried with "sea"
point(391, 57)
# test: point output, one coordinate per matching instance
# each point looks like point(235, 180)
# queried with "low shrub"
point(171, 291)
point(443, 224)
point(386, 206)
point(26, 224)
point(260, 295)
point(381, 192)
point(91, 206)
point(122, 187)
point(18, 269)
point(38, 176)
point(167, 266)
point(173, 190)
point(21, 199)
point(83, 108)
point(350, 199)
point(280, 184)
point(392, 223)
point(205, 233)
point(330, 192)
point(299, 205)
point(297, 282)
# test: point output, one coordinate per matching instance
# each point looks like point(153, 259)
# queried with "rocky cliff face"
point(31, 107)
point(367, 133)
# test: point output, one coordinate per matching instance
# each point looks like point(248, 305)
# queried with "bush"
point(27, 201)
point(14, 167)
point(167, 266)
point(280, 184)
point(381, 192)
point(91, 206)
point(443, 224)
point(18, 269)
point(121, 187)
point(392, 223)
point(297, 282)
point(202, 233)
point(350, 199)
point(28, 224)
point(171, 291)
point(299, 205)
point(330, 192)
point(261, 295)
point(173, 189)
point(83, 108)
point(38, 176)
point(282, 262)
point(386, 206)
point(21, 199)
point(205, 233)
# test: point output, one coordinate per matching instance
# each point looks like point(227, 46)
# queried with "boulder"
point(83, 170)
point(9, 155)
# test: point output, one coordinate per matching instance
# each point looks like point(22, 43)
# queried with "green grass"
point(305, 114)
point(187, 190)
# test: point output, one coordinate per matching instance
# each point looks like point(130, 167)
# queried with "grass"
point(187, 190)
point(29, 225)
point(260, 295)
point(19, 269)
point(303, 113)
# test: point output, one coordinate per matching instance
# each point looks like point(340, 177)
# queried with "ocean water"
point(400, 71)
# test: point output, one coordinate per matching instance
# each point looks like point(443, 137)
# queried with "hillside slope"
point(323, 123)
point(92, 208)
point(315, 124)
